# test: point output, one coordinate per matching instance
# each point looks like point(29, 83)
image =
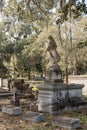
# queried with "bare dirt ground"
point(10, 122)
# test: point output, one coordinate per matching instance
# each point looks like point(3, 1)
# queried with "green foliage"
point(72, 9)
point(26, 22)
point(82, 44)
point(81, 6)
point(3, 70)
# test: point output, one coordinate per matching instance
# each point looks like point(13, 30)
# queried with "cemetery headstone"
point(14, 108)
point(34, 116)
point(66, 122)
point(15, 100)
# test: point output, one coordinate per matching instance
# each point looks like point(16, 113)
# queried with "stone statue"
point(53, 74)
point(54, 56)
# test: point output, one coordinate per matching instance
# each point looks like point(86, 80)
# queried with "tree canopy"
point(25, 26)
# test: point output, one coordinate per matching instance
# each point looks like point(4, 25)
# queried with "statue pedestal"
point(54, 75)
point(56, 97)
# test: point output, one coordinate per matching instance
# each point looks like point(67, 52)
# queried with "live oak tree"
point(23, 19)
point(69, 12)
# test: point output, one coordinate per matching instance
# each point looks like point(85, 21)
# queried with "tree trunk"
point(74, 70)
point(29, 74)
point(66, 75)
point(59, 33)
point(66, 69)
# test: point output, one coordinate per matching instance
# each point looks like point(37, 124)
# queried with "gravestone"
point(15, 100)
point(12, 110)
point(54, 95)
point(4, 83)
point(66, 122)
point(34, 116)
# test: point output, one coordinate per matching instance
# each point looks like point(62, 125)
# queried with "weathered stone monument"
point(66, 122)
point(34, 116)
point(13, 108)
point(54, 95)
point(53, 74)
point(15, 100)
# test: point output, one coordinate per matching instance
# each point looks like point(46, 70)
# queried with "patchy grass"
point(9, 122)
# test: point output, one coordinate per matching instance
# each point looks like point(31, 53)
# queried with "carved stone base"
point(54, 74)
point(54, 81)
point(55, 97)
point(66, 122)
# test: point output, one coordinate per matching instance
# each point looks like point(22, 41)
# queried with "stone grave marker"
point(34, 116)
point(66, 122)
point(12, 110)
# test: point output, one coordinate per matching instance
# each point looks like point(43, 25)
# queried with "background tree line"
point(24, 30)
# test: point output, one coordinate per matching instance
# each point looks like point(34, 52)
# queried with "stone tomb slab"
point(12, 110)
point(33, 116)
point(66, 122)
